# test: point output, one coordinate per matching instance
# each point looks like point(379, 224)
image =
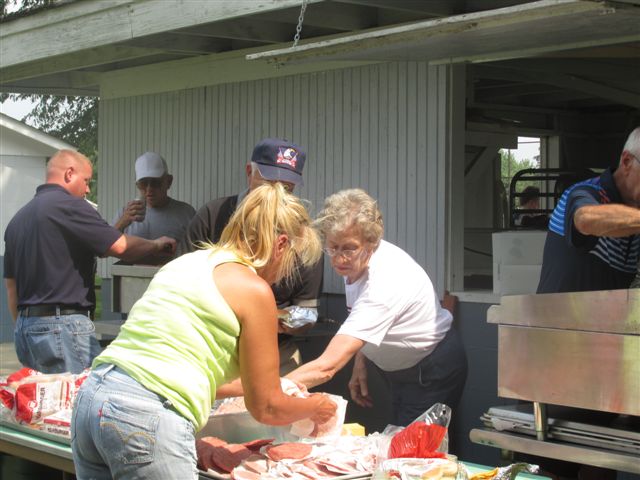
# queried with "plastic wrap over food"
point(231, 415)
point(331, 429)
point(347, 456)
point(419, 469)
point(298, 316)
point(42, 401)
point(509, 472)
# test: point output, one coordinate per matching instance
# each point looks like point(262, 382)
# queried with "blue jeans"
point(121, 430)
point(55, 344)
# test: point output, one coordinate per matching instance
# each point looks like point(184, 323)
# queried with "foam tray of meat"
point(218, 476)
point(348, 458)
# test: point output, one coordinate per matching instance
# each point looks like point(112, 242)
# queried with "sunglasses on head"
point(149, 182)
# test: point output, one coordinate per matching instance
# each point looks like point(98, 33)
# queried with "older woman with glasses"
point(395, 320)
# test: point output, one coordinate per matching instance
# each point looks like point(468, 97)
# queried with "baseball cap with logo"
point(150, 165)
point(279, 160)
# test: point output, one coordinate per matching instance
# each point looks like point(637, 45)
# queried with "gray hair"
point(632, 145)
point(351, 208)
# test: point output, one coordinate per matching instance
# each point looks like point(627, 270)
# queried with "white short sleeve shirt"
point(394, 309)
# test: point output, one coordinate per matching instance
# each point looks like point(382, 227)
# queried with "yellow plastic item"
point(484, 475)
point(354, 429)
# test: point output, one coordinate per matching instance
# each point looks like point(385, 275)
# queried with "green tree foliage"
point(69, 118)
point(16, 8)
point(510, 165)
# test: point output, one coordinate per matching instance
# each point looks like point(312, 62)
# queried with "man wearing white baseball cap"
point(154, 214)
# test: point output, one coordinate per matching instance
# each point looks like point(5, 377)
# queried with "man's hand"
point(165, 246)
point(133, 212)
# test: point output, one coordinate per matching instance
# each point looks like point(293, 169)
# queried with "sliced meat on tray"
point(290, 451)
point(256, 445)
point(338, 466)
point(241, 473)
point(229, 456)
point(204, 450)
point(216, 454)
point(257, 463)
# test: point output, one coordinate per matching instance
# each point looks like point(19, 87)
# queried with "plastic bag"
point(299, 316)
point(506, 473)
point(419, 469)
point(28, 396)
point(302, 429)
point(425, 437)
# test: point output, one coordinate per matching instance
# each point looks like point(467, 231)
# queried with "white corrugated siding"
point(379, 127)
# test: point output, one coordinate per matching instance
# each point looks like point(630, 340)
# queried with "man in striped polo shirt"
point(593, 241)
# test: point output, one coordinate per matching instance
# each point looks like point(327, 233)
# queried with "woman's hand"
point(358, 386)
point(325, 410)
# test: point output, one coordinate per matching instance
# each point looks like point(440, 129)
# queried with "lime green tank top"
point(181, 338)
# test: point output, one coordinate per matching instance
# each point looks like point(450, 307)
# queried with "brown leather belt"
point(52, 311)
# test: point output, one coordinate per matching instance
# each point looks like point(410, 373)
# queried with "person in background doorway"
point(530, 200)
point(154, 213)
point(395, 321)
point(51, 246)
point(273, 160)
point(206, 318)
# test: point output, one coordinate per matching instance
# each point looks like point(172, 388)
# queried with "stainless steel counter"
point(570, 349)
point(576, 349)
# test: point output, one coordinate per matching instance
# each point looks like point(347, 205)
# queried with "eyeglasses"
point(150, 182)
point(347, 253)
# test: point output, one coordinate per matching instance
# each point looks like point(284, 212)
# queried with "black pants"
point(437, 378)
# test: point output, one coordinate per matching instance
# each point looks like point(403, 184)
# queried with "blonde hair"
point(351, 208)
point(267, 212)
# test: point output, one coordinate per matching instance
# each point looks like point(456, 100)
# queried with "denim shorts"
point(55, 344)
point(119, 429)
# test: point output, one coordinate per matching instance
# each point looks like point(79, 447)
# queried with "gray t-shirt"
point(170, 220)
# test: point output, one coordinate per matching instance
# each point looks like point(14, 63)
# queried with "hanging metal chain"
point(296, 37)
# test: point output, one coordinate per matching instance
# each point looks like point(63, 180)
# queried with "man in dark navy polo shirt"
point(51, 246)
point(593, 241)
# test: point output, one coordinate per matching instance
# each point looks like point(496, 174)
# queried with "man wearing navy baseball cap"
point(279, 161)
point(272, 160)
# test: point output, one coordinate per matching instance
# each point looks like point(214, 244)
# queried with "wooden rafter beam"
point(435, 8)
point(182, 44)
point(79, 26)
point(342, 18)
point(63, 63)
point(569, 82)
point(262, 30)
point(596, 68)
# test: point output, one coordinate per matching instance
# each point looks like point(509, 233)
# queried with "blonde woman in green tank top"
point(207, 318)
